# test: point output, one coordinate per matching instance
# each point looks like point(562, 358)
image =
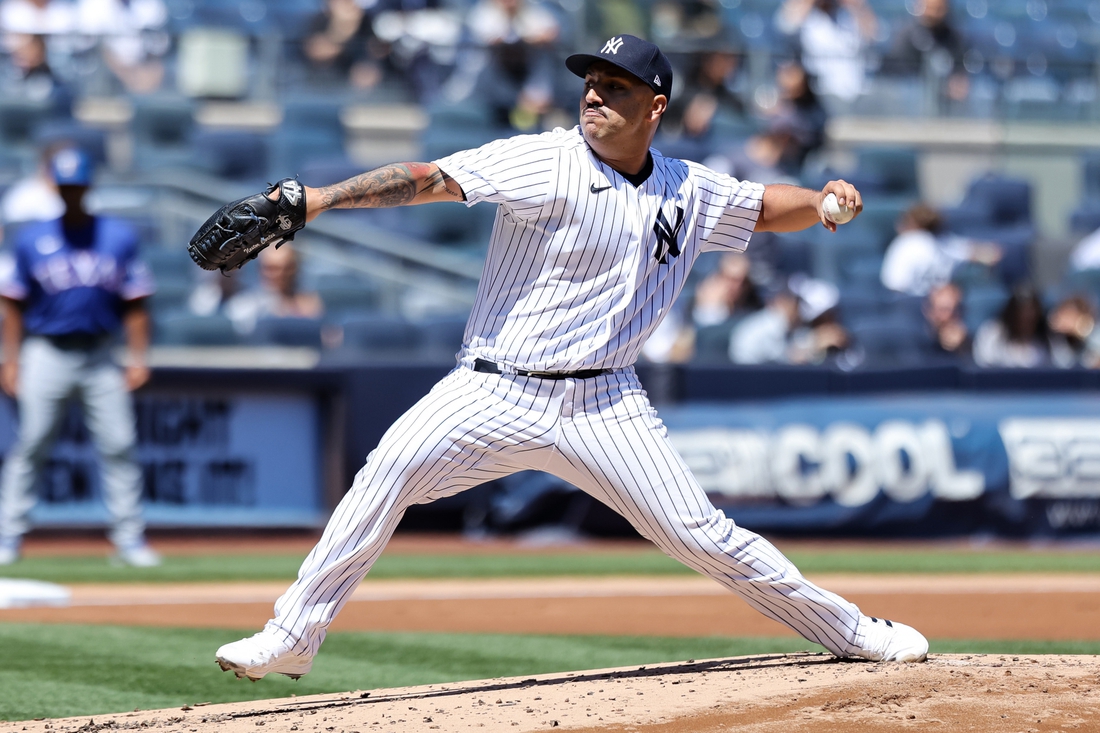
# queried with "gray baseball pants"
point(49, 377)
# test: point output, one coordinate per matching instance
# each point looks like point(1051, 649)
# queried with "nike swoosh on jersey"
point(593, 188)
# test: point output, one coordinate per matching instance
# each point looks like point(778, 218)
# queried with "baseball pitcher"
point(594, 237)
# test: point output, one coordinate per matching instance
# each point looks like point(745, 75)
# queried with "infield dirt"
point(793, 693)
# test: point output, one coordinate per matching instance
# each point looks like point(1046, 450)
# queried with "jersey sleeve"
point(515, 172)
point(137, 279)
point(15, 276)
point(730, 211)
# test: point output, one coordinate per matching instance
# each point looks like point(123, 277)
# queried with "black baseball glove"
point(240, 230)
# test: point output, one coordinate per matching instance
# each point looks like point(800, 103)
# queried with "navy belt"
point(483, 365)
point(77, 341)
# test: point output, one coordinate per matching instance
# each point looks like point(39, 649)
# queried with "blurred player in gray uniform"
point(68, 286)
point(594, 237)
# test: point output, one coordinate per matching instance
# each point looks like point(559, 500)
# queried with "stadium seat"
point(861, 302)
point(859, 269)
point(188, 330)
point(92, 140)
point(170, 298)
point(168, 262)
point(1090, 168)
point(346, 297)
point(381, 335)
point(234, 154)
point(893, 170)
point(288, 332)
point(19, 119)
point(1002, 199)
point(795, 255)
point(712, 343)
point(834, 251)
point(324, 172)
point(162, 126)
point(459, 226)
point(889, 341)
point(440, 337)
point(981, 304)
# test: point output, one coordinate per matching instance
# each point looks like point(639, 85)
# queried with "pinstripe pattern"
point(600, 434)
point(570, 281)
point(576, 278)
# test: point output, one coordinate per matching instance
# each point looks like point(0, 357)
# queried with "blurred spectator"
point(684, 21)
point(1018, 337)
point(707, 93)
point(512, 71)
point(277, 296)
point(341, 42)
point(213, 293)
point(800, 105)
point(771, 156)
point(132, 37)
point(798, 326)
point(28, 74)
point(1086, 255)
point(725, 293)
point(611, 17)
point(37, 17)
point(417, 38)
point(35, 197)
point(946, 328)
point(833, 35)
point(930, 43)
point(922, 256)
point(1074, 339)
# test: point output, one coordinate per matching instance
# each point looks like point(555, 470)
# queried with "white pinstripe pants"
point(601, 435)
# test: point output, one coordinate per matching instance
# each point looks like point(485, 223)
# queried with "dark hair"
point(923, 216)
point(1023, 296)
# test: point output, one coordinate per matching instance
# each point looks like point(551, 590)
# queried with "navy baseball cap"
point(71, 167)
point(630, 53)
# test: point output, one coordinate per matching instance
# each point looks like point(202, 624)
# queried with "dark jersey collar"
point(640, 177)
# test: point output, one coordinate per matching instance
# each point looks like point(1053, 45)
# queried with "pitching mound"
point(792, 693)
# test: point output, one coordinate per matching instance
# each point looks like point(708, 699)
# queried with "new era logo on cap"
point(630, 53)
point(71, 167)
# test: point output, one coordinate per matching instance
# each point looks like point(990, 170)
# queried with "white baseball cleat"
point(9, 552)
point(137, 556)
point(889, 641)
point(262, 654)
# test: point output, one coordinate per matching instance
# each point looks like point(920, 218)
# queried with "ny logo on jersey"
point(666, 236)
point(613, 45)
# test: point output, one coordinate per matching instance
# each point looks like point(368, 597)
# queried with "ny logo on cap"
point(613, 45)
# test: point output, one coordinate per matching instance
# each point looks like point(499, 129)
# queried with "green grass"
point(935, 561)
point(58, 671)
point(61, 670)
point(642, 561)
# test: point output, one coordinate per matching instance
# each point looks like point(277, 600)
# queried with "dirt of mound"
point(797, 693)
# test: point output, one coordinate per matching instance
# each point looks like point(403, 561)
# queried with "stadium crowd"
point(757, 83)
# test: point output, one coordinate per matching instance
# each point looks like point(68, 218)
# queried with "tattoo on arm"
point(391, 185)
point(440, 183)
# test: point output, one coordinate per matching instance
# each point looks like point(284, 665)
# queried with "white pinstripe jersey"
point(582, 266)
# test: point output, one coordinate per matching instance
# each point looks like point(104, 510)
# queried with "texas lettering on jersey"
point(79, 269)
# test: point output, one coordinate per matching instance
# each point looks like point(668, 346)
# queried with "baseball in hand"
point(834, 212)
